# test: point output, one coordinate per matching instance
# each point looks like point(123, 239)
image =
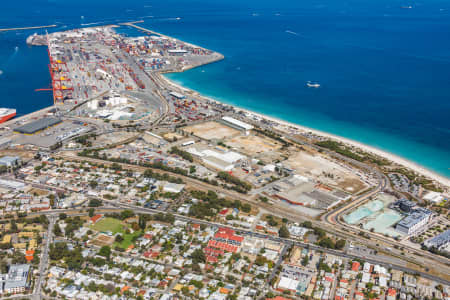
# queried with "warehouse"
point(10, 161)
point(222, 160)
point(236, 124)
point(177, 52)
point(177, 95)
point(38, 125)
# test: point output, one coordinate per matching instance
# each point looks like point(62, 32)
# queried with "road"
point(44, 259)
point(286, 241)
point(337, 228)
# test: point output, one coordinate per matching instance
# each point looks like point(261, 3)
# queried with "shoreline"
point(370, 149)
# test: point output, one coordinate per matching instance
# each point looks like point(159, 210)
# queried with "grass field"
point(116, 226)
point(109, 224)
point(127, 240)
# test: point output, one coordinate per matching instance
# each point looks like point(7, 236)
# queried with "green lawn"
point(127, 240)
point(109, 224)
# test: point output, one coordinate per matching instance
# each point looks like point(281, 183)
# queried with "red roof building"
point(355, 266)
point(95, 218)
point(225, 240)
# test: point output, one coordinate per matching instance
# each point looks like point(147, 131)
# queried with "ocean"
point(383, 66)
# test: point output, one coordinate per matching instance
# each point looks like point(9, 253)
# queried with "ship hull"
point(7, 117)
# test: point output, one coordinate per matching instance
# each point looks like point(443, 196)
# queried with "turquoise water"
point(364, 211)
point(383, 69)
point(383, 222)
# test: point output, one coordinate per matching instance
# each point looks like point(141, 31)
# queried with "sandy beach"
point(392, 157)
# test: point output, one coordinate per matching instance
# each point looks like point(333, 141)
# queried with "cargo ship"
point(6, 114)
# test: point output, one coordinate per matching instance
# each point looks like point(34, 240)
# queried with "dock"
point(133, 24)
point(26, 28)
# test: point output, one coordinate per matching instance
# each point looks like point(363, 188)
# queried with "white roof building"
point(434, 197)
point(239, 125)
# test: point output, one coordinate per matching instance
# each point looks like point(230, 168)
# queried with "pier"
point(133, 24)
point(26, 28)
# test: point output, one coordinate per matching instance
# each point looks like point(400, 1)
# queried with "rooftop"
point(38, 125)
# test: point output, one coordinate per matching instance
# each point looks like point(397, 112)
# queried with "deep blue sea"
point(383, 65)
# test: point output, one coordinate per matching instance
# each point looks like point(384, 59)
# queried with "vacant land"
point(253, 144)
point(112, 138)
point(326, 171)
point(212, 130)
point(102, 240)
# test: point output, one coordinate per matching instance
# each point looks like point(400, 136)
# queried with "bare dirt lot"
point(212, 130)
point(112, 138)
point(252, 144)
point(325, 170)
point(24, 154)
point(102, 240)
point(170, 136)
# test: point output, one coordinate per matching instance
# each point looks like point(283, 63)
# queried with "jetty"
point(133, 24)
point(26, 28)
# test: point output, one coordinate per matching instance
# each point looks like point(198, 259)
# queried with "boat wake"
point(93, 23)
point(311, 84)
point(291, 32)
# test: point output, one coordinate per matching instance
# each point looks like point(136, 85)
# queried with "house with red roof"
point(278, 298)
point(391, 294)
point(358, 295)
point(225, 240)
point(355, 266)
point(95, 219)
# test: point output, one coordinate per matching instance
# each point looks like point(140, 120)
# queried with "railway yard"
point(122, 136)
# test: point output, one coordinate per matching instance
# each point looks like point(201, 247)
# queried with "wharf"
point(132, 24)
point(26, 28)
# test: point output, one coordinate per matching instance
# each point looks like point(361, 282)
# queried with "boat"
point(312, 84)
point(6, 114)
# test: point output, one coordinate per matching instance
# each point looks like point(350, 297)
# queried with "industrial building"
point(177, 52)
point(294, 279)
point(16, 280)
point(38, 125)
point(219, 159)
point(236, 124)
point(299, 190)
point(10, 161)
point(415, 222)
point(177, 95)
point(441, 242)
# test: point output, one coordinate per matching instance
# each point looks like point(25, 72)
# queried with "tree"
point(283, 232)
point(91, 212)
point(57, 230)
point(246, 207)
point(340, 244)
point(305, 261)
point(326, 243)
point(93, 184)
point(192, 169)
point(198, 256)
point(95, 203)
point(119, 238)
point(307, 224)
point(52, 200)
point(142, 222)
point(105, 251)
point(62, 216)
